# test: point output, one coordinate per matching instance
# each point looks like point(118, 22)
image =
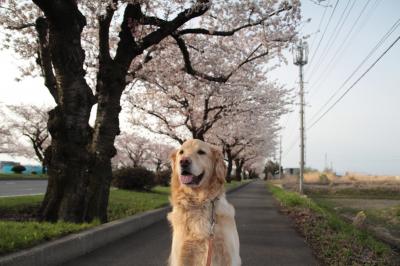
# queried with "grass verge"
point(16, 235)
point(23, 231)
point(4, 176)
point(334, 241)
point(19, 235)
point(124, 203)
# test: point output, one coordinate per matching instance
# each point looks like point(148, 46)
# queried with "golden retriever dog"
point(202, 220)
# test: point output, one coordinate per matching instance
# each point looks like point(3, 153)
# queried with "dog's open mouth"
point(188, 178)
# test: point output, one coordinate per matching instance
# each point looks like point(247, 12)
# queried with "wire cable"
point(355, 82)
point(342, 48)
point(339, 25)
point(323, 34)
point(320, 24)
point(376, 47)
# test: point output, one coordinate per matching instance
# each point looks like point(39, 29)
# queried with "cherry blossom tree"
point(89, 51)
point(27, 126)
point(132, 150)
point(5, 140)
point(159, 156)
point(251, 135)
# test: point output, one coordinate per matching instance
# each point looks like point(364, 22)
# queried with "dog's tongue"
point(186, 179)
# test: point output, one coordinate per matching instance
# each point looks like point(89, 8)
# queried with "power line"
point(376, 47)
point(342, 47)
point(352, 86)
point(323, 34)
point(320, 24)
point(339, 25)
point(291, 146)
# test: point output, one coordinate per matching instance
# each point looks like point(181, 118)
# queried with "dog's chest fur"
point(191, 228)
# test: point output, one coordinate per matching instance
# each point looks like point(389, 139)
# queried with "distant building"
point(6, 166)
point(291, 171)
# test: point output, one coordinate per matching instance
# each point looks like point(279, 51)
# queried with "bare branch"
point(232, 31)
point(104, 28)
point(128, 48)
point(223, 78)
point(21, 27)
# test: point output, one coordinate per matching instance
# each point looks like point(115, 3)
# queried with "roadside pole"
point(300, 59)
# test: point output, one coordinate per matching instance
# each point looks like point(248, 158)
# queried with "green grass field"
point(334, 241)
point(19, 235)
point(16, 235)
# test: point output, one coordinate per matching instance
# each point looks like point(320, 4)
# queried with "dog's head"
point(196, 164)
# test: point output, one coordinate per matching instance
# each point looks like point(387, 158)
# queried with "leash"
point(211, 237)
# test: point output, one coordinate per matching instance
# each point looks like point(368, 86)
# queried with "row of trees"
point(25, 134)
point(209, 58)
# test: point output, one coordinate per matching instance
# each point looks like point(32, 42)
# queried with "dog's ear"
point(172, 157)
point(219, 165)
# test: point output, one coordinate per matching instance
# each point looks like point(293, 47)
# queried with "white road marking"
point(7, 196)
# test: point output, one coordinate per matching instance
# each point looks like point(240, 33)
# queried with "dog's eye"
point(181, 152)
point(201, 152)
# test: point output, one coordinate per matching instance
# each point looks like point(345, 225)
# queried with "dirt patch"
point(362, 204)
point(20, 215)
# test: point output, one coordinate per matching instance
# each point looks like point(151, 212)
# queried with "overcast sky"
point(362, 132)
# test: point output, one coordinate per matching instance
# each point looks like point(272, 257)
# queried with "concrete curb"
point(72, 246)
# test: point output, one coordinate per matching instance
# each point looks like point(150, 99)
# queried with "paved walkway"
point(266, 237)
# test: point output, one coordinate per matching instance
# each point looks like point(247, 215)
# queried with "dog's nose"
point(184, 162)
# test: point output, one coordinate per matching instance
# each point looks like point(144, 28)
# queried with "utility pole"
point(280, 157)
point(300, 52)
point(326, 161)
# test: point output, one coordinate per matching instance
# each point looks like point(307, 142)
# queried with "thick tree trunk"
point(198, 134)
point(68, 158)
point(111, 83)
point(238, 170)
point(230, 166)
point(43, 167)
point(79, 158)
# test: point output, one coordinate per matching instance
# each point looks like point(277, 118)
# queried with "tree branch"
point(104, 29)
point(44, 60)
point(223, 78)
point(21, 27)
point(234, 30)
point(127, 47)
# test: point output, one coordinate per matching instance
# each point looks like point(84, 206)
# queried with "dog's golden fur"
point(191, 214)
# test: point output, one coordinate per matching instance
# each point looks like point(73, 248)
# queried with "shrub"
point(323, 178)
point(163, 177)
point(253, 175)
point(134, 178)
point(34, 173)
point(18, 169)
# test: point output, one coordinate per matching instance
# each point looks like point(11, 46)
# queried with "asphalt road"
point(22, 187)
point(266, 237)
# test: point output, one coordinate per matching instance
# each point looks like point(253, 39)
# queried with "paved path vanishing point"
point(266, 237)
